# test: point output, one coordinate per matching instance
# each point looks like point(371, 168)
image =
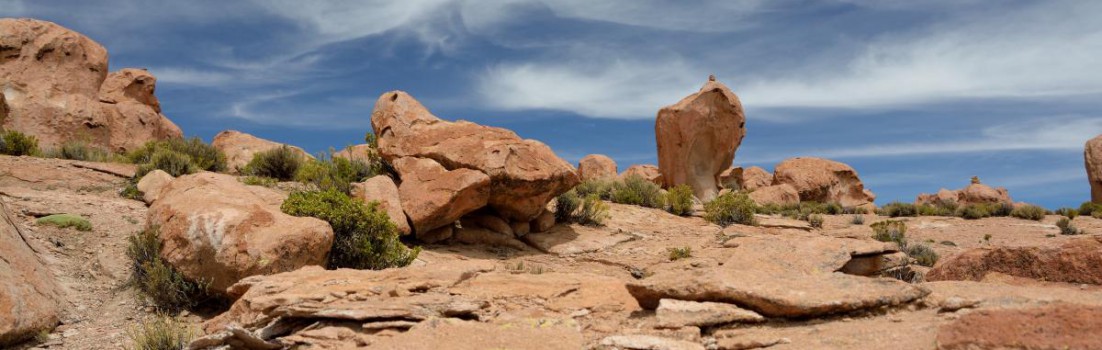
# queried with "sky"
point(915, 95)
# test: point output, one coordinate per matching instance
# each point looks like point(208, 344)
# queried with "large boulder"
point(646, 171)
point(697, 138)
point(30, 298)
point(218, 230)
point(382, 189)
point(1077, 261)
point(57, 88)
point(596, 167)
point(1092, 158)
point(240, 148)
point(433, 196)
point(524, 174)
point(823, 180)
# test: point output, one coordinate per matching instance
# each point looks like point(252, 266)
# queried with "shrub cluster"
point(333, 173)
point(731, 208)
point(1029, 212)
point(802, 210)
point(601, 187)
point(680, 200)
point(202, 156)
point(1089, 208)
point(589, 210)
point(78, 150)
point(281, 163)
point(1067, 228)
point(565, 206)
point(636, 190)
point(858, 220)
point(14, 143)
point(896, 231)
point(364, 237)
point(160, 333)
point(1070, 213)
point(898, 209)
point(155, 280)
point(815, 220)
point(172, 162)
point(983, 210)
point(65, 221)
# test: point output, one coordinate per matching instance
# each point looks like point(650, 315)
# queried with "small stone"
point(952, 304)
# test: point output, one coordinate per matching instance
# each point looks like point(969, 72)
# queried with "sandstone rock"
point(30, 298)
point(573, 239)
point(382, 189)
point(524, 174)
point(240, 148)
point(435, 235)
point(545, 221)
point(646, 171)
point(697, 138)
point(473, 335)
point(1077, 261)
point(648, 342)
point(748, 179)
point(596, 166)
point(557, 292)
point(362, 153)
point(678, 313)
point(1092, 159)
point(488, 222)
point(1059, 326)
point(58, 89)
point(152, 183)
point(942, 195)
point(521, 228)
point(216, 229)
point(433, 196)
point(483, 237)
point(823, 181)
point(782, 194)
point(975, 193)
point(875, 265)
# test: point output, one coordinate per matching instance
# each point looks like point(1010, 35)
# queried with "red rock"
point(240, 148)
point(975, 193)
point(30, 298)
point(646, 171)
point(596, 166)
point(823, 180)
point(1059, 326)
point(748, 179)
point(783, 194)
point(433, 196)
point(152, 183)
point(1092, 158)
point(382, 189)
point(1077, 261)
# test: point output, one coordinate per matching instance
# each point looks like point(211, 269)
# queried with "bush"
point(259, 181)
point(65, 221)
point(334, 172)
point(815, 220)
point(801, 210)
point(890, 231)
point(280, 163)
point(202, 155)
point(77, 150)
point(923, 254)
point(1070, 213)
point(999, 209)
point(858, 220)
point(602, 188)
point(172, 162)
point(1029, 212)
point(898, 209)
point(973, 211)
point(14, 143)
point(937, 210)
point(364, 237)
point(160, 333)
point(680, 253)
point(565, 206)
point(1088, 208)
point(1066, 227)
point(594, 211)
point(636, 190)
point(731, 208)
point(680, 199)
point(155, 280)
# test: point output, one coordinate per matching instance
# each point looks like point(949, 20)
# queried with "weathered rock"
point(362, 153)
point(646, 171)
point(521, 228)
point(240, 148)
point(1092, 159)
point(433, 196)
point(58, 89)
point(545, 221)
point(1077, 261)
point(484, 237)
point(152, 183)
point(472, 335)
point(746, 342)
point(875, 264)
point(748, 179)
point(524, 174)
point(216, 229)
point(782, 194)
point(1059, 326)
point(573, 239)
point(942, 196)
point(975, 193)
point(648, 342)
point(382, 189)
point(488, 222)
point(557, 292)
point(595, 167)
point(437, 234)
point(697, 138)
point(679, 313)
point(30, 298)
point(822, 180)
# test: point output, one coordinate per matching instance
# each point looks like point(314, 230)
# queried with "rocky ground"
point(774, 285)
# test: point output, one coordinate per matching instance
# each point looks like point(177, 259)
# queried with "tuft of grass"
point(1067, 228)
point(520, 267)
point(857, 220)
point(160, 333)
point(203, 156)
point(680, 199)
point(565, 206)
point(1029, 212)
point(280, 163)
point(79, 150)
point(731, 208)
point(14, 143)
point(601, 187)
point(131, 191)
point(890, 231)
point(923, 254)
point(898, 209)
point(680, 253)
point(594, 211)
point(258, 181)
point(155, 280)
point(364, 236)
point(172, 162)
point(66, 221)
point(801, 210)
point(636, 190)
point(333, 172)
point(815, 220)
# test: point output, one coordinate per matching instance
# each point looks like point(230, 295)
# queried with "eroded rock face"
point(823, 180)
point(240, 148)
point(1092, 158)
point(433, 196)
point(596, 167)
point(30, 298)
point(214, 228)
point(57, 88)
point(1078, 261)
point(524, 174)
point(782, 194)
point(383, 190)
point(697, 138)
point(646, 171)
point(1059, 326)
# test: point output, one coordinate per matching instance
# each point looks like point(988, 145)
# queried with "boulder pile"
point(974, 193)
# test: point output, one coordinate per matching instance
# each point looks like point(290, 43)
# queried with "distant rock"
point(1092, 158)
point(697, 138)
point(975, 193)
point(382, 189)
point(646, 171)
point(596, 167)
point(824, 181)
point(362, 153)
point(1077, 261)
point(748, 179)
point(433, 196)
point(58, 89)
point(783, 194)
point(30, 298)
point(240, 148)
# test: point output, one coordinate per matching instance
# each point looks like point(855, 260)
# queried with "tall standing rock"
point(29, 296)
point(1092, 157)
point(823, 180)
point(697, 138)
point(596, 166)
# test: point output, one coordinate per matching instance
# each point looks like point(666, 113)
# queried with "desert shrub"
point(259, 181)
point(923, 254)
point(565, 206)
point(155, 280)
point(801, 210)
point(65, 221)
point(815, 220)
point(594, 211)
point(1097, 214)
point(1029, 212)
point(131, 190)
point(78, 150)
point(172, 162)
point(731, 208)
point(281, 163)
point(364, 237)
point(202, 155)
point(14, 143)
point(1067, 228)
point(898, 209)
point(857, 219)
point(1088, 208)
point(680, 253)
point(680, 199)
point(636, 190)
point(1070, 213)
point(973, 211)
point(999, 209)
point(890, 231)
point(600, 187)
point(160, 333)
point(333, 172)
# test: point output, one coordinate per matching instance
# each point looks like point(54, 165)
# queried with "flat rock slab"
point(574, 239)
point(117, 169)
point(678, 313)
point(471, 335)
point(649, 342)
point(1059, 326)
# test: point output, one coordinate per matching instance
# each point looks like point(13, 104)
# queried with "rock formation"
point(382, 189)
point(596, 167)
point(974, 193)
point(1078, 261)
point(57, 88)
point(646, 171)
point(783, 194)
point(1092, 158)
point(240, 148)
point(747, 179)
point(30, 299)
point(433, 196)
point(823, 180)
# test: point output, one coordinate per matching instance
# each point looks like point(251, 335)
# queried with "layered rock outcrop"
point(240, 148)
point(57, 88)
point(1078, 261)
point(596, 167)
point(1092, 158)
point(976, 193)
point(697, 138)
point(823, 180)
point(30, 298)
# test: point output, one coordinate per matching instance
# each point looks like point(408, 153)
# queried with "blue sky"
point(916, 95)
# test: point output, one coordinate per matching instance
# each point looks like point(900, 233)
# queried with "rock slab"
point(30, 298)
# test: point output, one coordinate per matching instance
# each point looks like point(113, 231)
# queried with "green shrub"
point(594, 211)
point(1070, 213)
point(731, 208)
point(364, 237)
point(259, 181)
point(890, 231)
point(999, 209)
point(131, 190)
point(898, 209)
point(565, 206)
point(680, 253)
point(172, 162)
point(14, 143)
point(77, 150)
point(202, 155)
point(1088, 208)
point(160, 333)
point(1066, 227)
point(636, 190)
point(923, 254)
point(334, 172)
point(937, 209)
point(815, 220)
point(858, 220)
point(1029, 212)
point(600, 187)
point(801, 210)
point(680, 199)
point(973, 211)
point(155, 280)
point(280, 163)
point(65, 221)
point(1097, 214)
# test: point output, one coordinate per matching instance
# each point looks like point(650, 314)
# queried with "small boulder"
point(596, 167)
point(1092, 158)
point(151, 184)
point(783, 194)
point(433, 196)
point(646, 171)
point(382, 189)
point(240, 148)
point(979, 193)
point(823, 180)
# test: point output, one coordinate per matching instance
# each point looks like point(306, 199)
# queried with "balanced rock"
point(646, 171)
point(524, 174)
point(1092, 158)
point(57, 88)
point(240, 148)
point(823, 180)
point(433, 196)
point(783, 194)
point(1077, 261)
point(30, 298)
point(382, 189)
point(697, 138)
point(216, 229)
point(596, 167)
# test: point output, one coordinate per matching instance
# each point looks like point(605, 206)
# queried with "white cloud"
point(190, 76)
